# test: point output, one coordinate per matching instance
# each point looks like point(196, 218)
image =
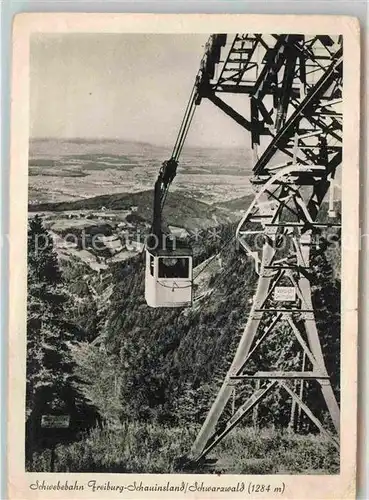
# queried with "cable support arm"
point(168, 169)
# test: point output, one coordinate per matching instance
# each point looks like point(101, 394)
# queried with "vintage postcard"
point(183, 256)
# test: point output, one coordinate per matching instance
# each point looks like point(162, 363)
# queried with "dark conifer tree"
point(49, 365)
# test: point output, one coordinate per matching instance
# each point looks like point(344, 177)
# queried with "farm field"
point(70, 170)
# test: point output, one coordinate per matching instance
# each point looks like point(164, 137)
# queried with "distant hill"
point(68, 170)
point(56, 147)
point(180, 210)
point(237, 204)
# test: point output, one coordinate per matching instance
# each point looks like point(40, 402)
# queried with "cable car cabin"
point(168, 279)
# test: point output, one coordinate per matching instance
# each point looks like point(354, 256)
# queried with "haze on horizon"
point(123, 87)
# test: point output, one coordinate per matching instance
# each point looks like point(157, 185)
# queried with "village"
point(101, 237)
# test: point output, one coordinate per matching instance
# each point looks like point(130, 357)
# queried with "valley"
point(96, 196)
point(150, 375)
point(61, 170)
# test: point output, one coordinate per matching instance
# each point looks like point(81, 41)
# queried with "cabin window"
point(174, 267)
point(152, 265)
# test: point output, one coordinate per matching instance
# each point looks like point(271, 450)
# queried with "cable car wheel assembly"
point(293, 84)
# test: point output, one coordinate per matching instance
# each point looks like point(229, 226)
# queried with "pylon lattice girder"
point(294, 75)
point(294, 89)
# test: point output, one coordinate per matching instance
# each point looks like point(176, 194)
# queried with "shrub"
point(153, 448)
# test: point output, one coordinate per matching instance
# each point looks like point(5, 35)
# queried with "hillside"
point(237, 204)
point(68, 170)
point(180, 210)
point(152, 374)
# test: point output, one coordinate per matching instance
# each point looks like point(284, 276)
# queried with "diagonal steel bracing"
point(293, 86)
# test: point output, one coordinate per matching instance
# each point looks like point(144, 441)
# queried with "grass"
point(152, 448)
point(255, 451)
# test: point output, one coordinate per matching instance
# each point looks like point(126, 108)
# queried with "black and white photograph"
point(184, 255)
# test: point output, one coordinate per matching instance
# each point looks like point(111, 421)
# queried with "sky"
point(123, 86)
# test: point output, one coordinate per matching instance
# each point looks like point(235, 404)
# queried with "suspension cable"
point(180, 132)
point(185, 125)
point(188, 124)
point(210, 260)
point(215, 256)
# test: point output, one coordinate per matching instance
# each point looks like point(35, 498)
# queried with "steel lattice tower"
point(293, 87)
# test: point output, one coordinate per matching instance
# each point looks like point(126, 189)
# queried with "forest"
point(137, 383)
